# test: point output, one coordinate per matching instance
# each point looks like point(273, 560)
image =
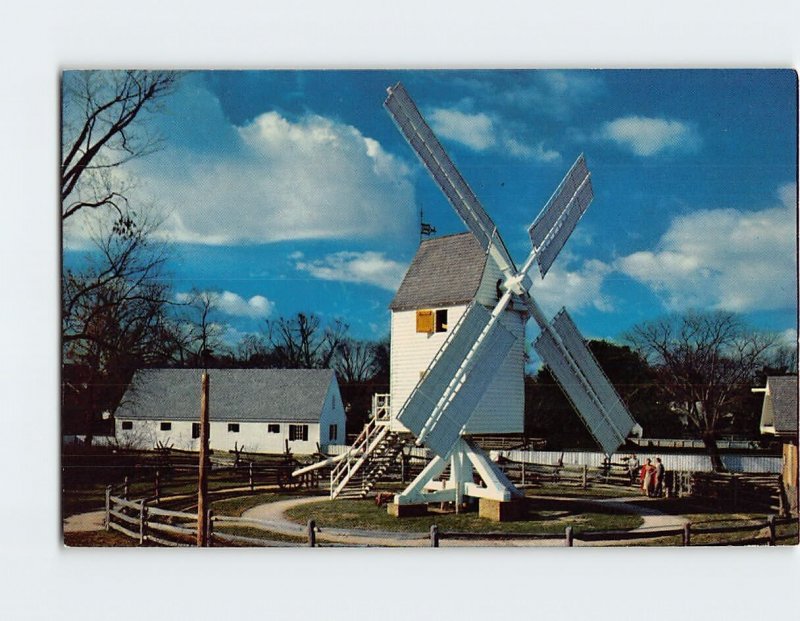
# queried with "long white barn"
point(446, 275)
point(259, 409)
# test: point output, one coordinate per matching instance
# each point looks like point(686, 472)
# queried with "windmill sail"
point(585, 384)
point(452, 384)
point(444, 173)
point(553, 226)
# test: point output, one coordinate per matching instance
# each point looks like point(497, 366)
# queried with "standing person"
point(659, 474)
point(633, 468)
point(647, 477)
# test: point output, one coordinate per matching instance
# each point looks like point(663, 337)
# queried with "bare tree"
point(202, 335)
point(300, 342)
point(104, 126)
point(113, 318)
point(252, 350)
point(356, 361)
point(706, 363)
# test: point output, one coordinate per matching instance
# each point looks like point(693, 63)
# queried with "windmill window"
point(127, 425)
point(298, 432)
point(233, 427)
point(273, 428)
point(425, 321)
point(441, 320)
point(195, 430)
point(166, 426)
point(333, 431)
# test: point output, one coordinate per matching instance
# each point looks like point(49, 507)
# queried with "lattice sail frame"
point(587, 387)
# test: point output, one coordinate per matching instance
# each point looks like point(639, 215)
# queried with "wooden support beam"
point(204, 466)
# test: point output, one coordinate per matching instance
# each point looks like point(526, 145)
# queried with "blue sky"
point(293, 191)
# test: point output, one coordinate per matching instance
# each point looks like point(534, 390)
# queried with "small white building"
point(257, 410)
point(779, 418)
point(446, 275)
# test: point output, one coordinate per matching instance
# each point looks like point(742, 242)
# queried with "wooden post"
point(108, 506)
point(251, 476)
point(403, 466)
point(125, 488)
point(783, 509)
point(142, 521)
point(569, 537)
point(771, 526)
point(312, 534)
point(157, 486)
point(523, 473)
point(687, 534)
point(584, 477)
point(202, 490)
point(210, 528)
point(434, 536)
point(734, 491)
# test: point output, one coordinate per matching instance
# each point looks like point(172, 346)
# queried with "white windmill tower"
point(443, 402)
point(443, 406)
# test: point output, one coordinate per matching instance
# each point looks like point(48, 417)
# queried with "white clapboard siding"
point(254, 437)
point(501, 410)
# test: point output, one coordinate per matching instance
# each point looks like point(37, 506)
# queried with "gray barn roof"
point(783, 391)
point(445, 271)
point(236, 395)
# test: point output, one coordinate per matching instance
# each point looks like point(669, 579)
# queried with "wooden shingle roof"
point(446, 271)
point(236, 395)
point(783, 393)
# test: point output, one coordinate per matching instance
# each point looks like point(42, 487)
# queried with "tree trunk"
point(710, 440)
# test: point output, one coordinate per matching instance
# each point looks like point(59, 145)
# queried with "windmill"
point(444, 399)
point(440, 406)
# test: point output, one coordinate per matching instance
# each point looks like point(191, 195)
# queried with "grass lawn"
point(99, 539)
point(541, 516)
point(575, 491)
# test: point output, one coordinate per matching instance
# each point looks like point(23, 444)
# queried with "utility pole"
point(202, 492)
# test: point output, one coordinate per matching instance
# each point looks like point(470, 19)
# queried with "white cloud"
point(788, 338)
point(481, 132)
point(475, 131)
point(647, 136)
point(229, 303)
point(371, 268)
point(575, 289)
point(538, 152)
point(313, 178)
point(727, 259)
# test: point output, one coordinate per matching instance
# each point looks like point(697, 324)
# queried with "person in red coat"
point(646, 477)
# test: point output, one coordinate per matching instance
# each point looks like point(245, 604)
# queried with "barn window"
point(425, 321)
point(441, 320)
point(233, 427)
point(195, 430)
point(166, 426)
point(298, 432)
point(333, 431)
point(127, 425)
point(273, 428)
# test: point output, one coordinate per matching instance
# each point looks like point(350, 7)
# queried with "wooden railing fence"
point(764, 533)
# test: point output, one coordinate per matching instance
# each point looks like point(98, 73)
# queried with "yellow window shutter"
point(424, 321)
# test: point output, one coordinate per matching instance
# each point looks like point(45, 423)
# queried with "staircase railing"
point(365, 443)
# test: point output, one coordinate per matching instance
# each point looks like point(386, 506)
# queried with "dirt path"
point(85, 522)
point(274, 518)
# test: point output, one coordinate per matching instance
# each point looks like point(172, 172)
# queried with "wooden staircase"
point(375, 454)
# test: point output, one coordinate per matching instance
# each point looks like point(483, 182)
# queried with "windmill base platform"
point(494, 510)
point(499, 511)
point(497, 497)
